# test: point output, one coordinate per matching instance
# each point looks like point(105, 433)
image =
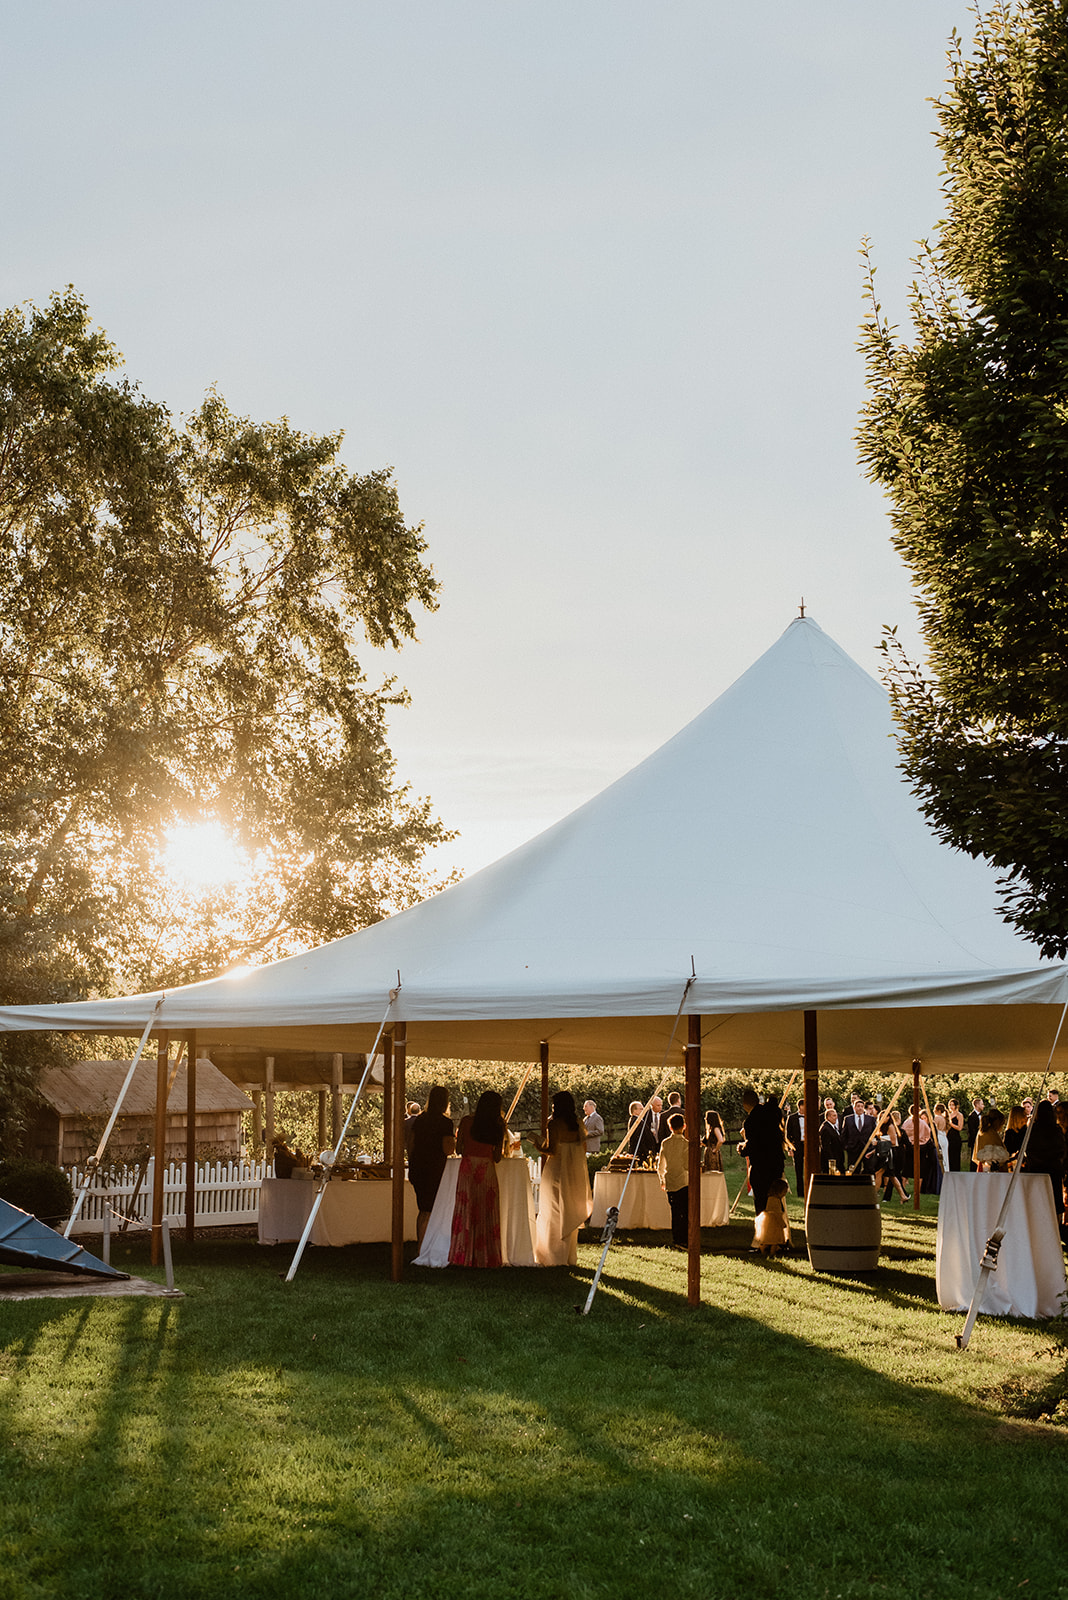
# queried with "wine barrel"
point(843, 1224)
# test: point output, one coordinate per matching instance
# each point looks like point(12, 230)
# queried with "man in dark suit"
point(975, 1116)
point(856, 1131)
point(831, 1148)
point(643, 1142)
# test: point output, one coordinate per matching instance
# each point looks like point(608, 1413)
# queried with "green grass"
point(466, 1433)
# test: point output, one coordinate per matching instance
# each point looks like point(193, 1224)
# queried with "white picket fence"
point(227, 1193)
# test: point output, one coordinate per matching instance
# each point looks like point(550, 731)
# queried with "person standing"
point(764, 1150)
point(564, 1201)
point(856, 1131)
point(954, 1134)
point(713, 1142)
point(673, 1165)
point(832, 1153)
point(476, 1219)
point(975, 1117)
point(795, 1136)
point(430, 1144)
point(593, 1122)
point(642, 1139)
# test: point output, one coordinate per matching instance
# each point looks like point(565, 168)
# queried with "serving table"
point(645, 1205)
point(354, 1211)
point(1029, 1279)
point(517, 1215)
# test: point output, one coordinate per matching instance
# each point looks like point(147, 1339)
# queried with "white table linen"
point(517, 1215)
point(1029, 1278)
point(356, 1212)
point(645, 1205)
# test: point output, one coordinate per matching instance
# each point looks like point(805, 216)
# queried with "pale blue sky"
point(584, 274)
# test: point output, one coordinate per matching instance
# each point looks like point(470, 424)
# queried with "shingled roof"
point(91, 1088)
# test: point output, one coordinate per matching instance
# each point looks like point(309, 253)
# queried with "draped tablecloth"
point(517, 1215)
point(645, 1205)
point(1028, 1280)
point(359, 1211)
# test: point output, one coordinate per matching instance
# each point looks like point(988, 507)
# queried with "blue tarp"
point(25, 1242)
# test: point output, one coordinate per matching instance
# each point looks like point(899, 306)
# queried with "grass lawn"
point(466, 1433)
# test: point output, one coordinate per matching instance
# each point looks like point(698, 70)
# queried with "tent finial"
point(802, 605)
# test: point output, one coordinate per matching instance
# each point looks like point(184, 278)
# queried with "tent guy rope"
point(612, 1216)
point(320, 1187)
point(94, 1160)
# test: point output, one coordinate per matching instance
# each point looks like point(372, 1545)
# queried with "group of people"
point(881, 1143)
point(657, 1137)
point(481, 1141)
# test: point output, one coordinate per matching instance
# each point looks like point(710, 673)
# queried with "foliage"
point(965, 428)
point(180, 608)
point(613, 1088)
point(38, 1187)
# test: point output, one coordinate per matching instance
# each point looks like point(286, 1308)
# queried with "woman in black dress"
point(433, 1142)
point(954, 1134)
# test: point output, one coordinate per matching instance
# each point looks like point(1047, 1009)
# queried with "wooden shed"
point(80, 1099)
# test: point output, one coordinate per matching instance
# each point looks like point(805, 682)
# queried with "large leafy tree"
point(967, 427)
point(181, 607)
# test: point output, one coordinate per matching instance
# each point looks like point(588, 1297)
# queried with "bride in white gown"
point(565, 1200)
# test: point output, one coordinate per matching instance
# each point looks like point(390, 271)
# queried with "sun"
point(202, 855)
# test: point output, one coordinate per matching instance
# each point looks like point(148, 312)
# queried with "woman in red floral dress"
point(476, 1217)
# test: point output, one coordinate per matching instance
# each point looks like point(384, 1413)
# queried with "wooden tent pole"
point(337, 1072)
point(916, 1135)
point(544, 1048)
point(812, 1101)
point(190, 1136)
point(693, 1120)
point(159, 1143)
point(400, 1049)
point(387, 1113)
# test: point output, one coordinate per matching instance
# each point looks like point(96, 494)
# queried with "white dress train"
point(564, 1204)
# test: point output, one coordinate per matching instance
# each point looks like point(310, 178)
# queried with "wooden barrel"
point(843, 1224)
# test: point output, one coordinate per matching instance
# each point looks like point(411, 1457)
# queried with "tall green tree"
point(182, 611)
point(966, 426)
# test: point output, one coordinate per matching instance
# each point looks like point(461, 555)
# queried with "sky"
point(585, 275)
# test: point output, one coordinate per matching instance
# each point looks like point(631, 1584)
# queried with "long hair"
point(487, 1125)
point(564, 1110)
point(438, 1100)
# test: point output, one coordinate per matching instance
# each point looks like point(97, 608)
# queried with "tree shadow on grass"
point(462, 1433)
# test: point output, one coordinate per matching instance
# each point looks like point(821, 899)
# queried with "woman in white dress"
point(565, 1200)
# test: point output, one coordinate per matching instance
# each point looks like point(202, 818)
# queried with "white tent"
point(772, 848)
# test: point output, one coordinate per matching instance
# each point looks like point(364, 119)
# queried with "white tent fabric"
point(772, 843)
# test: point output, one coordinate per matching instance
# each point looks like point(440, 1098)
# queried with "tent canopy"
point(771, 848)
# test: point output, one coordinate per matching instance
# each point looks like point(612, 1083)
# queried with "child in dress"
point(773, 1225)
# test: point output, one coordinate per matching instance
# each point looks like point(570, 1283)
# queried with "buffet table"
point(645, 1204)
point(517, 1215)
point(1028, 1280)
point(355, 1211)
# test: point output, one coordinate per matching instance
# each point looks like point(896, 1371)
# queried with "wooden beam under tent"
point(692, 1083)
point(812, 1101)
point(400, 1095)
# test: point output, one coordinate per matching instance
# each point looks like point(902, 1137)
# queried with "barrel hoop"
point(850, 1249)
